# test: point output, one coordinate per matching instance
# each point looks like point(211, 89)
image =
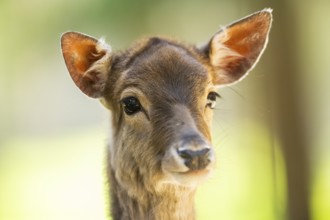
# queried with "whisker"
point(235, 90)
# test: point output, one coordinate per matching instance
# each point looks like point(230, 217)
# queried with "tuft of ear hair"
point(88, 61)
point(235, 49)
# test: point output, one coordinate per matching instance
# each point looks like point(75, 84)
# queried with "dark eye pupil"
point(211, 99)
point(131, 105)
point(212, 96)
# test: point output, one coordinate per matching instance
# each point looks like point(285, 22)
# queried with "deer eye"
point(131, 105)
point(211, 99)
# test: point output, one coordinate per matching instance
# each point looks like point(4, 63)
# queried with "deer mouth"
point(190, 178)
point(201, 172)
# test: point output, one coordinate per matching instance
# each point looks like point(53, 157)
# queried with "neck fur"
point(172, 202)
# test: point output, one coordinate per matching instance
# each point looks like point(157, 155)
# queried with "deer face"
point(165, 99)
point(161, 94)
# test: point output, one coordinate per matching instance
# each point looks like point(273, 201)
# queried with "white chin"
point(189, 178)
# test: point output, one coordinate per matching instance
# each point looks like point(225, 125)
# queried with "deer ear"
point(88, 61)
point(235, 50)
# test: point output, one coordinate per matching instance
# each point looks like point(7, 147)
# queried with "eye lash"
point(212, 97)
point(217, 95)
point(214, 94)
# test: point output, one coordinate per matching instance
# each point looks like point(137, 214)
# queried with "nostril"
point(185, 154)
point(195, 159)
point(189, 154)
point(203, 152)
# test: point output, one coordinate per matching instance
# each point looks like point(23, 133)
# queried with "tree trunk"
point(289, 106)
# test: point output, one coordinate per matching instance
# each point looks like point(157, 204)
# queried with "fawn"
point(161, 94)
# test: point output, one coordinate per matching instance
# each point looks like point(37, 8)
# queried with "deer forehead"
point(166, 71)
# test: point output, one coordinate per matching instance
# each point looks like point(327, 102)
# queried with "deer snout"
point(189, 161)
point(195, 159)
point(195, 152)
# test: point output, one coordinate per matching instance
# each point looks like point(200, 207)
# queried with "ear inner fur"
point(235, 50)
point(87, 60)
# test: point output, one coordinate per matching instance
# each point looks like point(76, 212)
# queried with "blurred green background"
point(52, 137)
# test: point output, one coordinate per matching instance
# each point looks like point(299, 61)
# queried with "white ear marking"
point(102, 45)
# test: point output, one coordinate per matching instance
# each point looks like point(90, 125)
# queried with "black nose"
point(195, 159)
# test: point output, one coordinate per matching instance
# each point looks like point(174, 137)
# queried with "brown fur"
point(157, 156)
point(164, 66)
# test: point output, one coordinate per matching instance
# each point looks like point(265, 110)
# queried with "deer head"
point(161, 94)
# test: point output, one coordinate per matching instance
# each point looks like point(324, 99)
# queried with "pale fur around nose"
point(190, 150)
